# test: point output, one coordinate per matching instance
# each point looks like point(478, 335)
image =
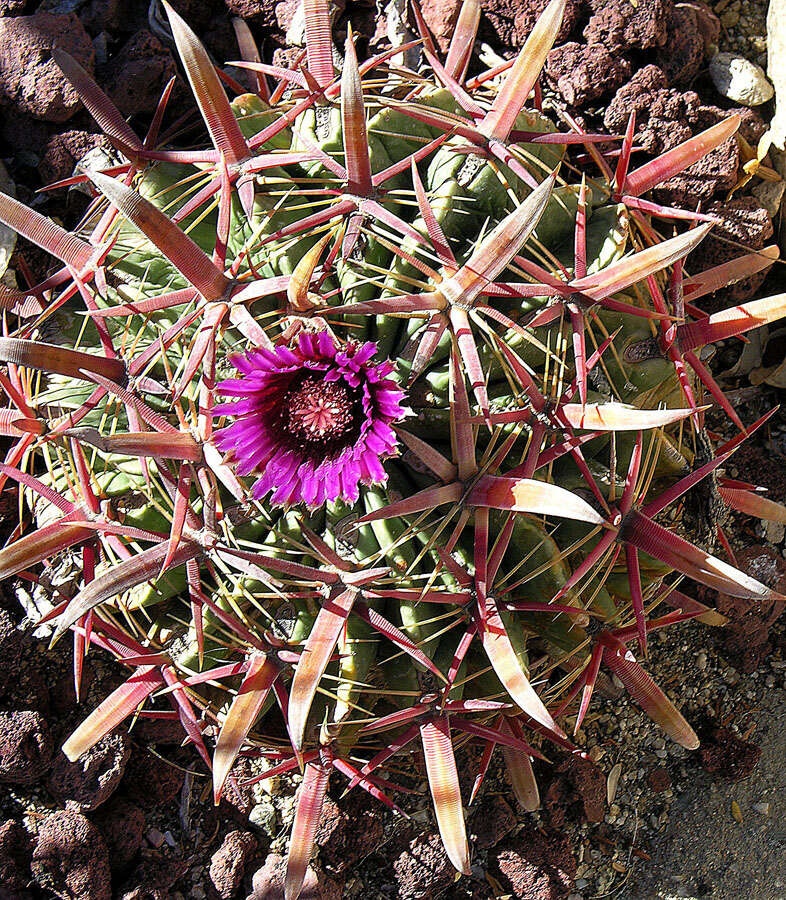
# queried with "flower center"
point(319, 415)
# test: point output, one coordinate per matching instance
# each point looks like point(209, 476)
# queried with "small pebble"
point(730, 18)
point(740, 80)
point(763, 809)
point(731, 676)
point(701, 661)
point(155, 838)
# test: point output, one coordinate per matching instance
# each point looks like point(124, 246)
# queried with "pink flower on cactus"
point(314, 420)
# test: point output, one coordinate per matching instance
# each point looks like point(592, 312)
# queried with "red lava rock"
point(682, 56)
point(63, 693)
point(11, 640)
point(163, 732)
point(14, 857)
point(492, 820)
point(268, 883)
point(70, 858)
point(228, 863)
point(583, 72)
point(659, 779)
point(707, 22)
point(150, 781)
point(724, 754)
point(662, 116)
point(349, 832)
point(665, 118)
point(209, 19)
point(122, 825)
point(136, 76)
point(422, 869)
point(747, 643)
point(578, 792)
point(263, 12)
point(29, 77)
point(513, 20)
point(715, 173)
point(762, 563)
point(94, 777)
point(752, 125)
point(13, 7)
point(25, 747)
point(286, 57)
point(152, 879)
point(29, 689)
point(63, 152)
point(743, 222)
point(622, 25)
point(237, 799)
point(105, 15)
point(534, 865)
point(746, 638)
point(441, 16)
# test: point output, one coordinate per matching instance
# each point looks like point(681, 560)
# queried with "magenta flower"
point(313, 420)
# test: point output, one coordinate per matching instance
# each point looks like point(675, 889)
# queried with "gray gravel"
point(703, 852)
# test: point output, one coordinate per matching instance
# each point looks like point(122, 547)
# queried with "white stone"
point(740, 80)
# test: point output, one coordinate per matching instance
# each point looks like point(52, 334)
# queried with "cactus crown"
point(458, 360)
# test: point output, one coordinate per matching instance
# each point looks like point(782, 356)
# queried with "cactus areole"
point(363, 417)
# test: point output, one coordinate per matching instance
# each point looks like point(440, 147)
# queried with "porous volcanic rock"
point(622, 25)
point(13, 7)
point(94, 777)
point(122, 825)
point(152, 879)
point(511, 21)
point(577, 792)
point(584, 72)
point(683, 54)
point(151, 781)
point(11, 639)
point(659, 779)
point(422, 869)
point(534, 865)
point(136, 76)
point(723, 753)
point(441, 17)
point(493, 820)
point(707, 22)
point(707, 177)
point(64, 150)
point(262, 11)
point(29, 77)
point(746, 639)
point(228, 863)
point(744, 222)
point(348, 832)
point(663, 116)
point(14, 857)
point(25, 747)
point(70, 858)
point(268, 882)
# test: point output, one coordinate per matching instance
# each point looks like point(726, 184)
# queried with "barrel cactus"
point(370, 422)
